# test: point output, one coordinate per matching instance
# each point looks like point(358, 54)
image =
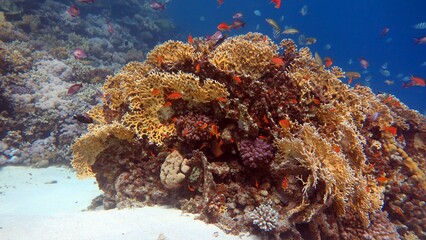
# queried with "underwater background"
point(351, 29)
point(224, 109)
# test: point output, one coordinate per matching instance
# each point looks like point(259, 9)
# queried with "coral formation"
point(285, 151)
point(256, 154)
point(265, 217)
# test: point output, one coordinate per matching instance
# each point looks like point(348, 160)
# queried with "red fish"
point(79, 53)
point(278, 62)
point(73, 11)
point(277, 3)
point(220, 2)
point(224, 27)
point(74, 88)
point(328, 62)
point(190, 40)
point(364, 63)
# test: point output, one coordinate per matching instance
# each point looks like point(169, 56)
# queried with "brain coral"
point(249, 133)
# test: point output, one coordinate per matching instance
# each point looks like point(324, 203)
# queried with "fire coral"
point(328, 194)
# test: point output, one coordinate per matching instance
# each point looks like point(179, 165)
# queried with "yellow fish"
point(276, 30)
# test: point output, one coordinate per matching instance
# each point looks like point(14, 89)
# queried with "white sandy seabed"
point(47, 204)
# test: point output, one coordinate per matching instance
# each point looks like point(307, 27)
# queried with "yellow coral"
point(87, 147)
point(171, 52)
point(338, 180)
point(145, 117)
point(245, 55)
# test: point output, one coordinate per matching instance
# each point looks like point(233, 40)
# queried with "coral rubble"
point(284, 151)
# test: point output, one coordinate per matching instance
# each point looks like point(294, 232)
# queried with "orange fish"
point(224, 27)
point(336, 148)
point(391, 129)
point(294, 101)
point(167, 104)
point(418, 81)
point(190, 40)
point(198, 68)
point(284, 183)
point(220, 2)
point(263, 137)
point(155, 91)
point(265, 119)
point(221, 99)
point(328, 62)
point(278, 62)
point(284, 123)
point(382, 179)
point(204, 126)
point(256, 183)
point(159, 59)
point(237, 79)
point(174, 95)
point(214, 130)
point(185, 132)
point(277, 3)
point(264, 38)
point(316, 101)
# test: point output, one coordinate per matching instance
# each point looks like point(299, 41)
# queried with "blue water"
point(352, 28)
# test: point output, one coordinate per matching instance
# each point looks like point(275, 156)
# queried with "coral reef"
point(286, 151)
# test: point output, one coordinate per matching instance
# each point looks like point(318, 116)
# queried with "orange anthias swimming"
point(224, 27)
point(277, 3)
point(328, 62)
point(278, 62)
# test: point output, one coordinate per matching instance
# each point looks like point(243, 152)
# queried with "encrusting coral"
point(220, 131)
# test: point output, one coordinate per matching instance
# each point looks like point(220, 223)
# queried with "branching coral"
point(87, 147)
point(247, 55)
point(245, 132)
point(265, 217)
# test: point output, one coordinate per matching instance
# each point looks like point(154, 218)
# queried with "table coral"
point(325, 157)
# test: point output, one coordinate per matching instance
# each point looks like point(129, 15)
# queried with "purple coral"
point(194, 127)
point(256, 153)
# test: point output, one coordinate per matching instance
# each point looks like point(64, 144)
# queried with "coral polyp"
point(284, 150)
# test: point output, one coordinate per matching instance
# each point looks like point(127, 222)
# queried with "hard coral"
point(247, 55)
point(265, 217)
point(256, 154)
point(330, 168)
point(194, 127)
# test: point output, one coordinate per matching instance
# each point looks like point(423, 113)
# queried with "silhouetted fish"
point(83, 118)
